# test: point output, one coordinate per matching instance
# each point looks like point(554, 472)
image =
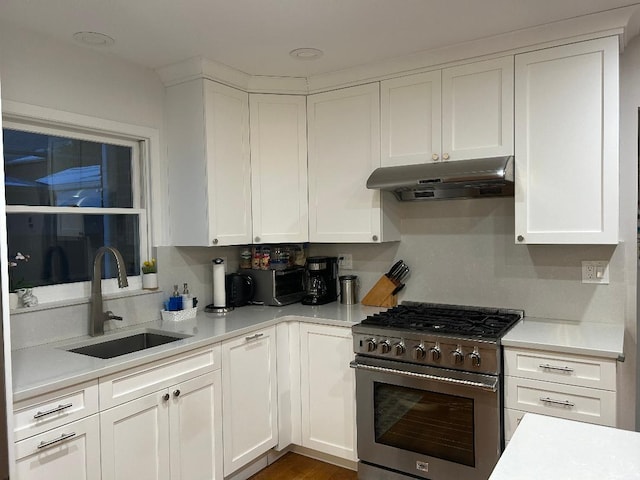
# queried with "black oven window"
point(429, 423)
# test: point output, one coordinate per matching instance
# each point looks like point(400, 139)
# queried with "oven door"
point(426, 422)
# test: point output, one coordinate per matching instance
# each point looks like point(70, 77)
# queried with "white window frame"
point(144, 141)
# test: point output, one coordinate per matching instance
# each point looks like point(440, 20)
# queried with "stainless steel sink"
point(124, 345)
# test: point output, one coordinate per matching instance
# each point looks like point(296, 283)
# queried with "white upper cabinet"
point(410, 117)
point(209, 165)
point(457, 113)
point(344, 148)
point(567, 144)
point(279, 168)
point(477, 110)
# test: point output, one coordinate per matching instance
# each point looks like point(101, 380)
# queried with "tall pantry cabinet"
point(209, 164)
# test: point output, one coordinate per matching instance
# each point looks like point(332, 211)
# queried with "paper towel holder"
point(213, 308)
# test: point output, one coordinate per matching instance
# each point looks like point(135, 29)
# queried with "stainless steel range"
point(429, 391)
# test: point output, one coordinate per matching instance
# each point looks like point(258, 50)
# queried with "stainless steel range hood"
point(484, 177)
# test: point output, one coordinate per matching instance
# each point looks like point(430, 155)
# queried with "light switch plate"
point(595, 271)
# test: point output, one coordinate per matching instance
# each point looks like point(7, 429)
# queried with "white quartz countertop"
point(552, 448)
point(583, 338)
point(41, 369)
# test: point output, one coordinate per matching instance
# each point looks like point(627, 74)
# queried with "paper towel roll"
point(219, 293)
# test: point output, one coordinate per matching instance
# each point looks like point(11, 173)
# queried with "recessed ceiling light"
point(306, 53)
point(94, 39)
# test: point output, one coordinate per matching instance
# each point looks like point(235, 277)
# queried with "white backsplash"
point(47, 325)
point(459, 251)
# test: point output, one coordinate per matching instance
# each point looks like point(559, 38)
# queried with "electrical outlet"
point(345, 261)
point(595, 271)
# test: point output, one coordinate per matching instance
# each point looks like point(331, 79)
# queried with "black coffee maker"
point(321, 280)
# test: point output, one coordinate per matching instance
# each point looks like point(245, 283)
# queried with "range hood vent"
point(484, 177)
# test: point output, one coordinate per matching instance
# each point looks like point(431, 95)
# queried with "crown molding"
point(623, 22)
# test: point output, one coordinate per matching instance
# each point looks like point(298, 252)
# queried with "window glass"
point(48, 173)
point(55, 171)
point(61, 248)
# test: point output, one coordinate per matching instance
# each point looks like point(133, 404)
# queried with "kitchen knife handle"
point(395, 268)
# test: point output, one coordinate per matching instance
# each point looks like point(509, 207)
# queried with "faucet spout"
point(97, 316)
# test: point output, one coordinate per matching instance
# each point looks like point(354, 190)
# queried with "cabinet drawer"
point(71, 452)
point(561, 368)
point(133, 383)
point(566, 401)
point(511, 421)
point(39, 414)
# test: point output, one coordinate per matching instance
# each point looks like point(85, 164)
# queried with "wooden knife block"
point(380, 295)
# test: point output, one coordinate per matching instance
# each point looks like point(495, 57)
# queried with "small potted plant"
point(150, 274)
point(17, 286)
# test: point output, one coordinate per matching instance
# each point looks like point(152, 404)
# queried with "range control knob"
point(398, 349)
point(384, 346)
point(434, 354)
point(475, 357)
point(370, 345)
point(418, 353)
point(457, 356)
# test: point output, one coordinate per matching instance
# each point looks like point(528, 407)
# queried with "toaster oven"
point(277, 287)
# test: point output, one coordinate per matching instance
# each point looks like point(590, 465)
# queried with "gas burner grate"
point(477, 322)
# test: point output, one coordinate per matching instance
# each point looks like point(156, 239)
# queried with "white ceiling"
point(255, 36)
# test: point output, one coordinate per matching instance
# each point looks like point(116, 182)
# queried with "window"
point(69, 192)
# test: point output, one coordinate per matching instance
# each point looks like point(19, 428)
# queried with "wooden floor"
point(298, 467)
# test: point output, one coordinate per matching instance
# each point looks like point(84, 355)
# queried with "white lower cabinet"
point(249, 397)
point(328, 390)
point(170, 434)
point(58, 434)
point(195, 426)
point(71, 452)
point(135, 439)
point(575, 387)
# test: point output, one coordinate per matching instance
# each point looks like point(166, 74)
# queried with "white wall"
point(70, 77)
point(629, 110)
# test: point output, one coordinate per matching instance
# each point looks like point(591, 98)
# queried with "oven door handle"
point(490, 385)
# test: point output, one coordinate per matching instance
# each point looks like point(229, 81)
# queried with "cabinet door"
point(71, 452)
point(328, 390)
point(567, 144)
point(410, 119)
point(208, 164)
point(195, 418)
point(135, 439)
point(344, 148)
point(249, 398)
point(477, 110)
point(279, 168)
point(228, 164)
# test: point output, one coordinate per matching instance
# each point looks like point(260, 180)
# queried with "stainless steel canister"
point(348, 289)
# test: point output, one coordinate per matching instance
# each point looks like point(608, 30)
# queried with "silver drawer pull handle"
point(61, 438)
point(53, 410)
point(546, 366)
point(564, 403)
point(254, 337)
